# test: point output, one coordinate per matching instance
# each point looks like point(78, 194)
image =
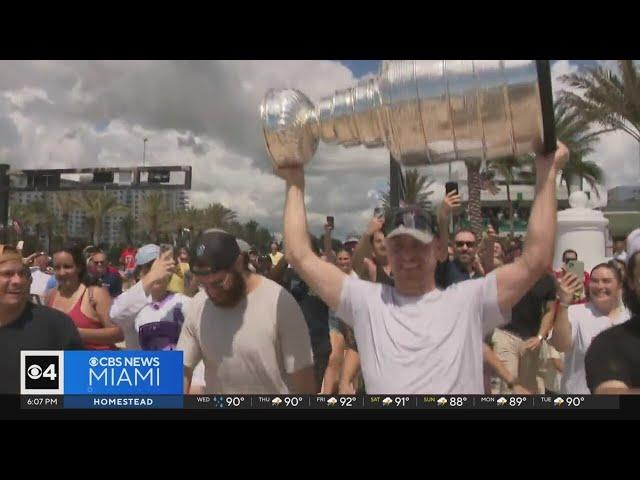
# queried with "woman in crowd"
point(78, 295)
point(336, 359)
point(613, 361)
point(576, 325)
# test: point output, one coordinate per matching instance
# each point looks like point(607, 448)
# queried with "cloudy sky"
point(62, 114)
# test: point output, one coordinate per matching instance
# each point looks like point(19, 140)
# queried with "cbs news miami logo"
point(101, 372)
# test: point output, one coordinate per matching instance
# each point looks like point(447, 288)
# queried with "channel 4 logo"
point(41, 372)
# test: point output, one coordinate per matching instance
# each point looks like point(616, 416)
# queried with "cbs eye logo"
point(41, 372)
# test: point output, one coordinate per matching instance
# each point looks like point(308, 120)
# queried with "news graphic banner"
point(101, 379)
point(152, 380)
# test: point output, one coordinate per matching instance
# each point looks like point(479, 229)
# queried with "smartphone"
point(20, 245)
point(330, 221)
point(577, 268)
point(450, 187)
point(378, 212)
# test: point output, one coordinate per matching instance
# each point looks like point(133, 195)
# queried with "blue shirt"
point(448, 273)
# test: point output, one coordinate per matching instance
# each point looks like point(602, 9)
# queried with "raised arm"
point(327, 248)
point(515, 279)
point(322, 277)
point(450, 201)
point(363, 249)
point(562, 336)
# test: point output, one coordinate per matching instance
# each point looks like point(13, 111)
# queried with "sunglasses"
point(461, 244)
point(96, 262)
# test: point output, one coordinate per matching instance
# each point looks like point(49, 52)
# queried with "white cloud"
point(204, 114)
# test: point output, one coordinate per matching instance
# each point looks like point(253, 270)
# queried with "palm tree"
point(416, 191)
point(97, 206)
point(38, 215)
point(154, 217)
point(217, 215)
point(128, 226)
point(573, 129)
point(66, 202)
point(510, 169)
point(606, 99)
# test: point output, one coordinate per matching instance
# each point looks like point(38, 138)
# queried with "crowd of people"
point(402, 308)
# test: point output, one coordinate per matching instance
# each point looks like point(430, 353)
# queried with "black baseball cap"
point(415, 222)
point(213, 250)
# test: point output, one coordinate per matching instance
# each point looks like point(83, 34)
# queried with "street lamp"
point(144, 149)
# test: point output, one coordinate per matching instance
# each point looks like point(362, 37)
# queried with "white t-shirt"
point(39, 281)
point(250, 348)
point(586, 323)
point(426, 344)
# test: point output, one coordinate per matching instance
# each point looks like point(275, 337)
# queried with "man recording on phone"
point(571, 264)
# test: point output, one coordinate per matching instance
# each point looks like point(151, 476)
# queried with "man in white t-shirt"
point(413, 338)
point(247, 330)
point(39, 275)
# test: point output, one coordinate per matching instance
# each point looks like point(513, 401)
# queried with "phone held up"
point(450, 187)
point(331, 222)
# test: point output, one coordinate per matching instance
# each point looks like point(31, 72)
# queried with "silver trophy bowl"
point(424, 111)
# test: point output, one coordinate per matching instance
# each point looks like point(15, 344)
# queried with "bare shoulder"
point(100, 294)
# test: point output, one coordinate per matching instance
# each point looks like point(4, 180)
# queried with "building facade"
point(112, 232)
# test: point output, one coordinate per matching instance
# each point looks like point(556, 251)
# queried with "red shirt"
point(128, 257)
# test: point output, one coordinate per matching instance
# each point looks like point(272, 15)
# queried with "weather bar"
point(324, 402)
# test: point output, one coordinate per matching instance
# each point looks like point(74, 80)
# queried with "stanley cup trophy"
point(424, 111)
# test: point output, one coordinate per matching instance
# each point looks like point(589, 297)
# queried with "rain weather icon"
point(442, 402)
point(558, 401)
point(332, 401)
point(387, 401)
point(502, 401)
point(276, 402)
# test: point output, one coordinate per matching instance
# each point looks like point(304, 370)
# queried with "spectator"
point(619, 246)
point(316, 315)
point(254, 260)
point(248, 331)
point(106, 276)
point(370, 256)
point(87, 304)
point(581, 294)
point(613, 360)
point(518, 343)
point(334, 368)
point(25, 326)
point(576, 325)
point(150, 316)
point(180, 280)
point(128, 261)
point(412, 337)
point(465, 264)
point(351, 243)
point(40, 276)
point(275, 254)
